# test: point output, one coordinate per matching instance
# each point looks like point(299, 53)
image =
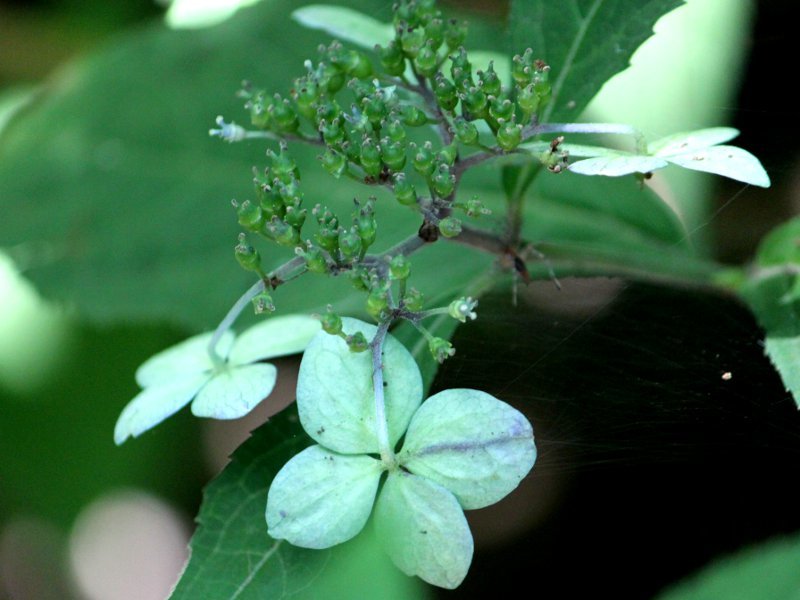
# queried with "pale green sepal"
point(575, 150)
point(334, 391)
point(278, 336)
point(423, 529)
point(475, 445)
point(321, 498)
point(234, 392)
point(188, 357)
point(680, 143)
point(154, 404)
point(345, 24)
point(728, 161)
point(616, 166)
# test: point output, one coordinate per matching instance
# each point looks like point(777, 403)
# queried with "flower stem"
point(381, 425)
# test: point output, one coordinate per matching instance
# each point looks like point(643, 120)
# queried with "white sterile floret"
point(225, 389)
point(463, 449)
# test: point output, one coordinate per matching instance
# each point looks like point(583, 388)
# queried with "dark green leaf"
point(585, 42)
point(771, 293)
point(765, 571)
point(233, 557)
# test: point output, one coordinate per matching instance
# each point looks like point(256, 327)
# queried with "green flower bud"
point(377, 303)
point(358, 65)
point(315, 260)
point(306, 93)
point(395, 130)
point(447, 155)
point(413, 116)
point(359, 279)
point(443, 182)
point(365, 223)
point(263, 303)
point(466, 132)
point(423, 159)
point(357, 342)
point(295, 216)
point(490, 81)
point(528, 100)
point(445, 92)
point(463, 309)
point(328, 111)
point(283, 166)
point(361, 89)
point(250, 216)
point(426, 61)
point(449, 227)
point(455, 33)
point(283, 233)
point(260, 113)
point(350, 244)
point(334, 163)
point(271, 202)
point(461, 69)
point(425, 10)
point(284, 115)
point(331, 322)
point(522, 68)
point(248, 257)
point(475, 103)
point(509, 135)
point(413, 300)
point(475, 208)
point(412, 41)
point(375, 108)
point(404, 191)
point(392, 58)
point(434, 33)
point(370, 157)
point(440, 349)
point(399, 267)
point(393, 154)
point(330, 78)
point(501, 108)
point(331, 131)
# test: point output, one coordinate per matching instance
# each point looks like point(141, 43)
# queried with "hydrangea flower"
point(463, 449)
point(227, 388)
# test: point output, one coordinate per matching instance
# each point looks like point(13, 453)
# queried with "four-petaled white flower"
point(463, 449)
point(226, 388)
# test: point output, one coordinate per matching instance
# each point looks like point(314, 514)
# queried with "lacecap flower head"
point(463, 449)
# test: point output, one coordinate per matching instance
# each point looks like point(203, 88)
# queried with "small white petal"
point(728, 161)
point(234, 392)
point(321, 498)
point(423, 529)
point(617, 166)
point(186, 358)
point(277, 336)
point(154, 404)
point(475, 445)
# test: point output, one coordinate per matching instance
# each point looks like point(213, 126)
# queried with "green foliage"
point(768, 570)
point(585, 42)
point(771, 291)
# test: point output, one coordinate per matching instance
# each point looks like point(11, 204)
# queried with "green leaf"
point(334, 391)
point(273, 337)
point(423, 529)
point(585, 42)
point(728, 161)
point(232, 555)
point(471, 443)
point(768, 570)
point(680, 143)
point(321, 498)
point(156, 403)
point(235, 391)
point(345, 24)
point(769, 292)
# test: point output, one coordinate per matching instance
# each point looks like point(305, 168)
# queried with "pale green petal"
point(681, 143)
point(278, 336)
point(334, 391)
point(154, 404)
point(235, 391)
point(321, 498)
point(345, 24)
point(470, 442)
point(616, 166)
point(728, 161)
point(186, 358)
point(423, 529)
